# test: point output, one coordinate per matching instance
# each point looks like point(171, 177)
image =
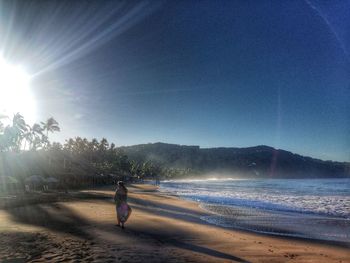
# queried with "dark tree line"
point(25, 150)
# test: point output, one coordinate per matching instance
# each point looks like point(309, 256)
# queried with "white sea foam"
point(304, 208)
point(201, 180)
point(331, 197)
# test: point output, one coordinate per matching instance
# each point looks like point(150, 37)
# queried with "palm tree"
point(1, 127)
point(36, 132)
point(6, 139)
point(27, 138)
point(51, 125)
point(17, 131)
point(33, 136)
point(19, 122)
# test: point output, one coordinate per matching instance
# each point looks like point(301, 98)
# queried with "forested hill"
point(258, 161)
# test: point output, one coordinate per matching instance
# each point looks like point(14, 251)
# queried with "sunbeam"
point(89, 34)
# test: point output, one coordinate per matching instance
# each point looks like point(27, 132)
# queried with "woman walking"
point(122, 208)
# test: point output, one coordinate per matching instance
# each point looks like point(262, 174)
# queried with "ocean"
point(307, 208)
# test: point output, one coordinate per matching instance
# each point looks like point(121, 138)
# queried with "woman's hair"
point(121, 184)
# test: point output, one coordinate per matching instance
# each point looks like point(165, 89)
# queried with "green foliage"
point(20, 136)
point(26, 150)
point(15, 139)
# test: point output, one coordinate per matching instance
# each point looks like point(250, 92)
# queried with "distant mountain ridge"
point(253, 162)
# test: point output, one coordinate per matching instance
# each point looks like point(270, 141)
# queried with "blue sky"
point(208, 73)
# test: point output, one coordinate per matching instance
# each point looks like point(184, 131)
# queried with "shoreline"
point(162, 227)
point(311, 223)
point(295, 236)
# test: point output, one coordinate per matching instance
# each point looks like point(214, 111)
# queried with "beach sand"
point(162, 228)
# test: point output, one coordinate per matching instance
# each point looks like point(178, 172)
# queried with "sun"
point(15, 92)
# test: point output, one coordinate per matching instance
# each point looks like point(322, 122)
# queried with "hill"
point(251, 162)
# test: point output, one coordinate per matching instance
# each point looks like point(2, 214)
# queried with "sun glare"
point(15, 93)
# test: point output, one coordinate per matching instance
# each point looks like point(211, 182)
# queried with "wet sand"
point(162, 228)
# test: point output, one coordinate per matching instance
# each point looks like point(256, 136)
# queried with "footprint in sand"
point(291, 256)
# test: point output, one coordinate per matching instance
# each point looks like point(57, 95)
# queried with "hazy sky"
point(208, 73)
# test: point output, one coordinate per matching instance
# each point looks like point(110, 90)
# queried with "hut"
point(51, 183)
point(34, 182)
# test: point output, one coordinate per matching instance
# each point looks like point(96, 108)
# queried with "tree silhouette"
point(33, 136)
point(12, 135)
point(51, 125)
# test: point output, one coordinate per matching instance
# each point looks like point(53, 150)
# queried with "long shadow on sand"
point(60, 218)
point(179, 213)
point(178, 242)
point(168, 207)
point(174, 214)
point(51, 216)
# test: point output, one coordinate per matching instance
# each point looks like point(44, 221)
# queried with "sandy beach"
point(162, 228)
